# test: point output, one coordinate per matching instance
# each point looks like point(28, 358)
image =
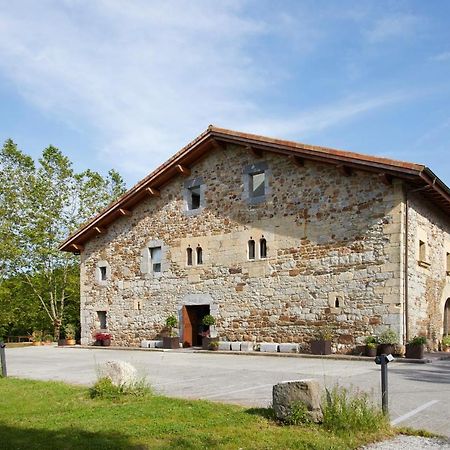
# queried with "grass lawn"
point(48, 415)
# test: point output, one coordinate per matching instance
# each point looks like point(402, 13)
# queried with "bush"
point(371, 340)
point(418, 340)
point(446, 341)
point(388, 337)
point(105, 389)
point(344, 411)
point(171, 322)
point(208, 320)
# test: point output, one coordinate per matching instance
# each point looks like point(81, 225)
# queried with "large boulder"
point(120, 373)
point(287, 395)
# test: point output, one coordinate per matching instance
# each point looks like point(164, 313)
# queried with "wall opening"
point(263, 248)
point(101, 315)
point(447, 317)
point(251, 249)
point(189, 256)
point(199, 255)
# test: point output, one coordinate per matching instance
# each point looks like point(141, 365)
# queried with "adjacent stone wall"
point(334, 256)
point(428, 283)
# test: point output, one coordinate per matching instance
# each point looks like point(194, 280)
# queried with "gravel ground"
point(410, 443)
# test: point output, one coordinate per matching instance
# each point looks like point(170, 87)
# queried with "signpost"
point(383, 360)
point(3, 358)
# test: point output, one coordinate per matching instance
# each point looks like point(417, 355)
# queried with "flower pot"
point(385, 349)
point(415, 351)
point(71, 341)
point(206, 342)
point(36, 343)
point(61, 342)
point(106, 342)
point(171, 342)
point(321, 347)
point(371, 351)
point(97, 343)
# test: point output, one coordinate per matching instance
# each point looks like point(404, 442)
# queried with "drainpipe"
point(405, 265)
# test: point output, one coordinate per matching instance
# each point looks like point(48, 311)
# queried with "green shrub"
point(208, 320)
point(104, 388)
point(418, 340)
point(388, 337)
point(371, 345)
point(298, 415)
point(344, 411)
point(371, 340)
point(70, 331)
point(446, 341)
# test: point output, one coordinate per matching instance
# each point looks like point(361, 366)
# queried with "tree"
point(43, 204)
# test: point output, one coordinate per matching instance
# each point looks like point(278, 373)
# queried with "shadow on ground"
point(18, 438)
point(267, 413)
point(438, 372)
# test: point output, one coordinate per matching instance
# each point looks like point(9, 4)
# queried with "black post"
point(384, 385)
point(3, 358)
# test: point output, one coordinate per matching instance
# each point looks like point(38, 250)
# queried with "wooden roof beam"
point(183, 170)
point(77, 248)
point(152, 192)
point(385, 178)
point(346, 171)
point(297, 160)
point(256, 152)
point(124, 212)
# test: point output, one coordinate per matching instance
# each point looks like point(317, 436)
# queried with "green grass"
point(48, 415)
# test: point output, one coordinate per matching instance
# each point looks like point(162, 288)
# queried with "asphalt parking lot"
point(419, 394)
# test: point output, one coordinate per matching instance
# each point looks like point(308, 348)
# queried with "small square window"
point(257, 184)
point(155, 259)
point(102, 273)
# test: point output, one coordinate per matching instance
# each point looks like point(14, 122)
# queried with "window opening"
point(155, 259)
point(251, 249)
point(263, 248)
point(189, 256)
point(448, 264)
point(199, 255)
point(102, 319)
point(102, 273)
point(336, 303)
point(194, 197)
point(422, 251)
point(257, 182)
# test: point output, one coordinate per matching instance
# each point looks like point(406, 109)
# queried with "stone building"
point(275, 239)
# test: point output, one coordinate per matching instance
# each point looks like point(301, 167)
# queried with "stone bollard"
point(120, 373)
point(287, 394)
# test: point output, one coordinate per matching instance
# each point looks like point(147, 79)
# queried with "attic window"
point(194, 198)
point(155, 259)
point(257, 184)
point(194, 195)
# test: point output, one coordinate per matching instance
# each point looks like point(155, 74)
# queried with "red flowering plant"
point(102, 336)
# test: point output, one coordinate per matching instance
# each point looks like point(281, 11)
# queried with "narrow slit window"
point(251, 249)
point(103, 275)
point(199, 252)
point(155, 259)
point(447, 263)
point(102, 319)
point(422, 251)
point(263, 248)
point(336, 303)
point(194, 198)
point(189, 256)
point(257, 184)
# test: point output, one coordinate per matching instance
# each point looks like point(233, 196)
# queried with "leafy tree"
point(41, 205)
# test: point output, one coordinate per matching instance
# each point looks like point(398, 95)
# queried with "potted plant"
point(37, 337)
point(446, 343)
point(103, 339)
point(172, 340)
point(70, 331)
point(322, 344)
point(208, 322)
point(415, 347)
point(371, 346)
point(48, 339)
point(386, 342)
point(214, 345)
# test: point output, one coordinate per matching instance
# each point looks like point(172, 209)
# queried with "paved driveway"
point(419, 393)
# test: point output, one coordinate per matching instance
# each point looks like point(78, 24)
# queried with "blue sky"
point(125, 84)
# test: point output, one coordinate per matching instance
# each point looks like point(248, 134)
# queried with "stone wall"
point(330, 237)
point(428, 282)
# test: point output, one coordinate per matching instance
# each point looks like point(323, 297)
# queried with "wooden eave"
point(215, 138)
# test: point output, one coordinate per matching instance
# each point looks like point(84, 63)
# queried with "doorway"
point(192, 316)
point(447, 317)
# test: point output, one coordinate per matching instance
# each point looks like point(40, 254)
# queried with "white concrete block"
point(236, 346)
point(144, 343)
point(288, 348)
point(268, 347)
point(159, 344)
point(223, 345)
point(246, 346)
point(151, 344)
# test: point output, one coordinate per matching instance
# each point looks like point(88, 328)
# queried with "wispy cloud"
point(393, 26)
point(444, 56)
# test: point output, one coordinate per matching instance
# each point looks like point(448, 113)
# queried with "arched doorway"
point(447, 317)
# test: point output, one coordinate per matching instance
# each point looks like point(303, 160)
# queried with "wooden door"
point(187, 328)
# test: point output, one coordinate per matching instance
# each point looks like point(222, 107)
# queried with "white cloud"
point(393, 26)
